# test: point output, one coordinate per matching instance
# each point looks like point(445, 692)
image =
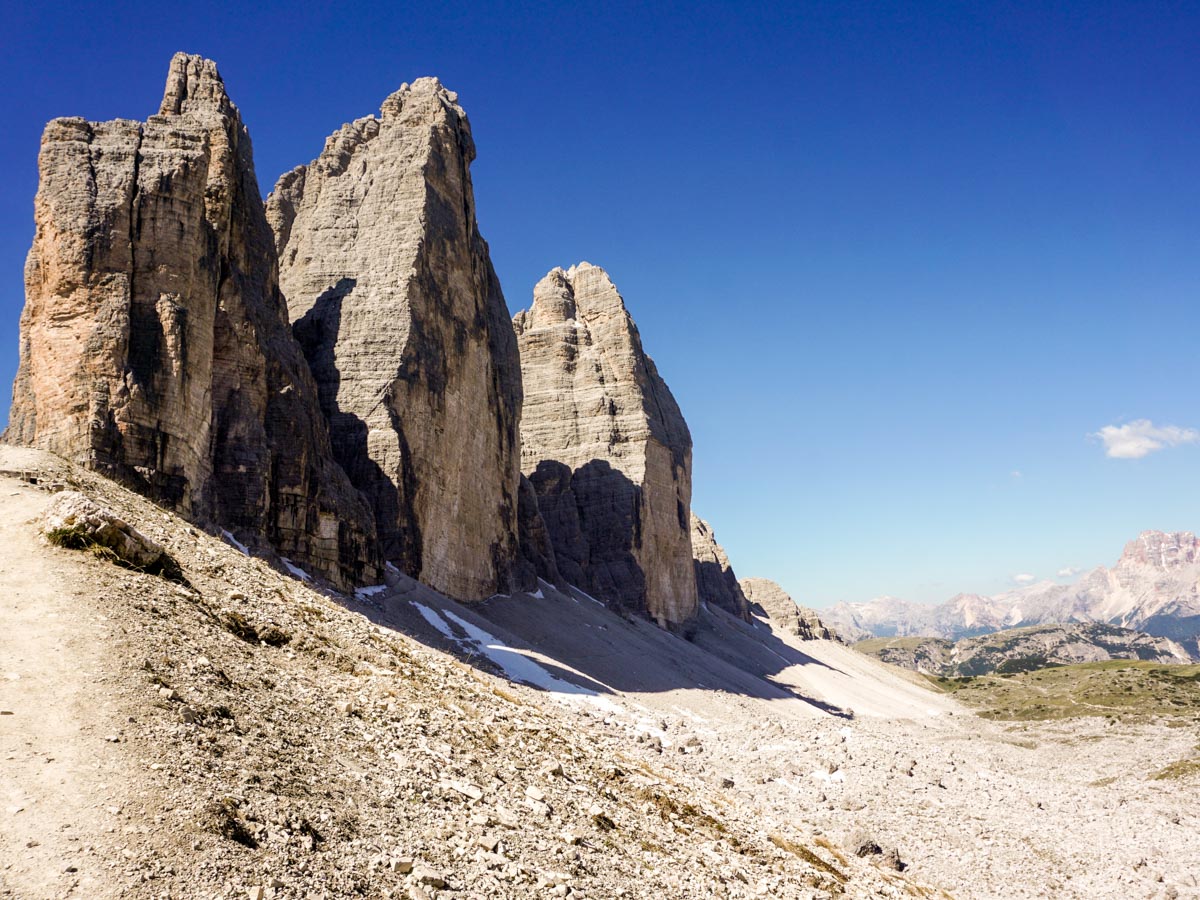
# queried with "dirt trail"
point(58, 771)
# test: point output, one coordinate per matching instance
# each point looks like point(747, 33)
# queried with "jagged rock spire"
point(154, 341)
point(606, 448)
point(402, 320)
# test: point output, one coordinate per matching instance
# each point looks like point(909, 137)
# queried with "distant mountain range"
point(1153, 588)
point(1023, 649)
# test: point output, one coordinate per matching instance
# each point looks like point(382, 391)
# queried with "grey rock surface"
point(537, 558)
point(768, 600)
point(606, 448)
point(716, 582)
point(71, 519)
point(394, 300)
point(154, 341)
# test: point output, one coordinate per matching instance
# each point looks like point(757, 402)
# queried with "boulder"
point(76, 522)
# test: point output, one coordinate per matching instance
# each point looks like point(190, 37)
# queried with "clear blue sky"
point(887, 255)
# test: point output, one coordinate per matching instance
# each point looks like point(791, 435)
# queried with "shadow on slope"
point(575, 646)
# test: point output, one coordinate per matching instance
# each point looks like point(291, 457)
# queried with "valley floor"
point(244, 735)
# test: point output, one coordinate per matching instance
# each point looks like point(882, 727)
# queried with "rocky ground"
point(242, 734)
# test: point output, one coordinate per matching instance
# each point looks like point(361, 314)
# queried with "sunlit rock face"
point(155, 345)
point(606, 448)
point(394, 300)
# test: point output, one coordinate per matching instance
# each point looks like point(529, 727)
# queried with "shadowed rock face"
point(154, 342)
point(606, 448)
point(769, 600)
point(395, 302)
point(715, 582)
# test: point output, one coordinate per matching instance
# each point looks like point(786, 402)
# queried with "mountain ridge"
point(1154, 587)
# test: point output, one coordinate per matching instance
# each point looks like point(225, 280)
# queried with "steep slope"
point(241, 734)
point(395, 302)
point(716, 583)
point(1023, 649)
point(154, 341)
point(1154, 587)
point(769, 602)
point(606, 448)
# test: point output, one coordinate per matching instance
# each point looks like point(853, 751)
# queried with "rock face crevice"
point(716, 584)
point(394, 299)
point(154, 341)
point(606, 448)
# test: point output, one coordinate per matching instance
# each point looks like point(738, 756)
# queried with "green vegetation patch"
point(1116, 688)
point(77, 538)
point(1184, 768)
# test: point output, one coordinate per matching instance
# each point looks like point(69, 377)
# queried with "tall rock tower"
point(155, 345)
point(393, 299)
point(606, 448)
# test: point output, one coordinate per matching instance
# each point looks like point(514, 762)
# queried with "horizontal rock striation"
point(606, 448)
point(154, 341)
point(394, 300)
point(768, 600)
point(716, 584)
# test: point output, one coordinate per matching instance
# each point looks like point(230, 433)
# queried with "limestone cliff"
point(154, 341)
point(606, 448)
point(769, 601)
point(716, 584)
point(394, 300)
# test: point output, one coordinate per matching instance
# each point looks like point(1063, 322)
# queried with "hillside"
point(587, 753)
point(1022, 649)
point(1116, 689)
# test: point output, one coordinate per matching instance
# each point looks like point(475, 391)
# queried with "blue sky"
point(897, 261)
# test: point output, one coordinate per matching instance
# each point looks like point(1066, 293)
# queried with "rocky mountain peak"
point(395, 303)
point(154, 344)
point(606, 448)
point(194, 86)
point(769, 601)
point(1161, 550)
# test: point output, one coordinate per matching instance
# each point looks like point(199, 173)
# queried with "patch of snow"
point(514, 663)
point(295, 569)
point(371, 590)
point(234, 542)
point(435, 620)
point(585, 595)
point(839, 775)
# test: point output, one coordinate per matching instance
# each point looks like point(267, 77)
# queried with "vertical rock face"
point(774, 603)
point(154, 341)
point(393, 298)
point(537, 549)
point(606, 448)
point(716, 584)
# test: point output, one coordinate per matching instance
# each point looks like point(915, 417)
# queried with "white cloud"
point(1016, 474)
point(1141, 436)
point(1068, 571)
point(1024, 578)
